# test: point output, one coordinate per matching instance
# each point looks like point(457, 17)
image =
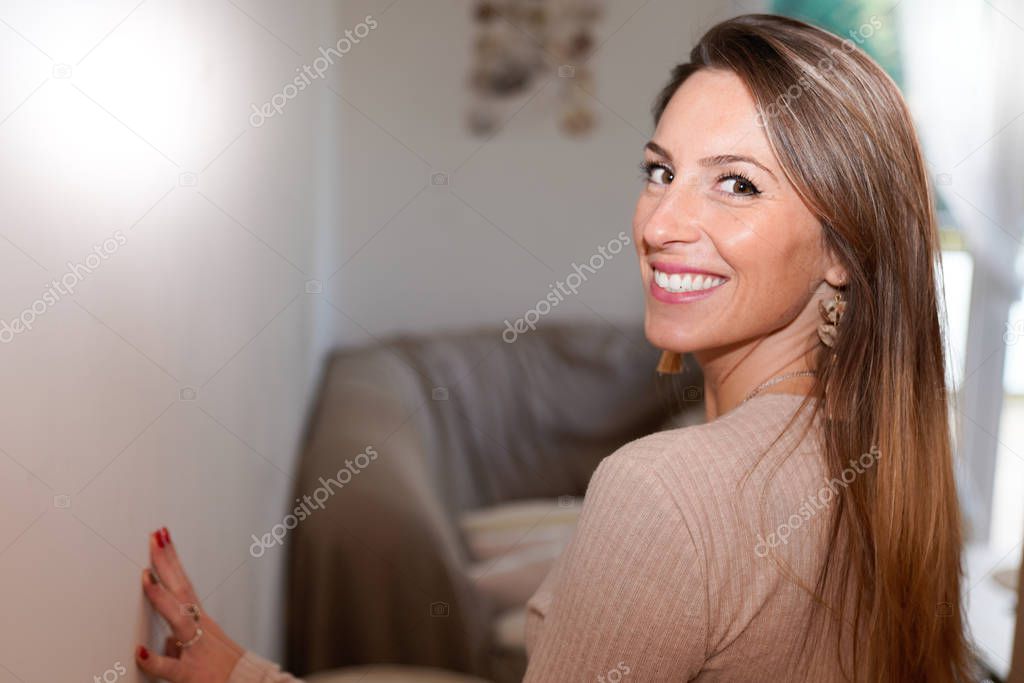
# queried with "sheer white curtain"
point(964, 68)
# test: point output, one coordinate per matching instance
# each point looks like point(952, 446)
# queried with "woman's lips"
point(677, 283)
point(667, 267)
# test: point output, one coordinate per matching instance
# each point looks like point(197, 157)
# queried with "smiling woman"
point(810, 530)
point(787, 241)
point(785, 163)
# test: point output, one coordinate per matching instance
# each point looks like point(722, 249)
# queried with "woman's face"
point(728, 251)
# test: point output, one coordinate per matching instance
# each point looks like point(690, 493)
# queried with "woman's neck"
point(730, 374)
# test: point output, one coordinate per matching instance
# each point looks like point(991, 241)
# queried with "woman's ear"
point(835, 271)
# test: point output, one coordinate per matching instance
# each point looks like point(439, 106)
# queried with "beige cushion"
point(510, 629)
point(390, 673)
point(515, 544)
point(510, 580)
point(497, 530)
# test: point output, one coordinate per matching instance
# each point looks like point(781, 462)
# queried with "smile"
point(675, 283)
point(678, 283)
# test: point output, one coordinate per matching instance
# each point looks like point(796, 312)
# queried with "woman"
point(810, 529)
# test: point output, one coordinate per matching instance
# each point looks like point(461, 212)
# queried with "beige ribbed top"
point(670, 574)
point(673, 572)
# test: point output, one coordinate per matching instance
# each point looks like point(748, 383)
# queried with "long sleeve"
point(252, 668)
point(629, 594)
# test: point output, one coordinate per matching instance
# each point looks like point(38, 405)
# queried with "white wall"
point(522, 207)
point(109, 112)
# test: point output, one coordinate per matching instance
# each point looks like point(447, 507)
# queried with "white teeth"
point(685, 283)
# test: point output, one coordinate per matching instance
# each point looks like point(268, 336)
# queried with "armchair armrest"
point(375, 575)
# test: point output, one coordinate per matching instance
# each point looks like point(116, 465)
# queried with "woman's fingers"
point(164, 668)
point(208, 655)
point(169, 606)
point(168, 567)
point(171, 648)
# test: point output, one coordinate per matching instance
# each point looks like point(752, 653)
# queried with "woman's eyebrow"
point(711, 162)
point(658, 149)
point(726, 159)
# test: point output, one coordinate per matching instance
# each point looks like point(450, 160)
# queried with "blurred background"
point(248, 244)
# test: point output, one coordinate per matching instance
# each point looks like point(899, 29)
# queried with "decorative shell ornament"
point(832, 312)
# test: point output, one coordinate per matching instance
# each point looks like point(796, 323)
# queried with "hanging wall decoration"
point(516, 41)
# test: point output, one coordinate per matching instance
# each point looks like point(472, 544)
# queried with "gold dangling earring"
point(671, 363)
point(832, 312)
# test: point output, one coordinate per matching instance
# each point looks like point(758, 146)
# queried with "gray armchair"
point(458, 421)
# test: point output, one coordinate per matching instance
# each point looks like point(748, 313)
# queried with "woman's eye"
point(739, 186)
point(656, 173)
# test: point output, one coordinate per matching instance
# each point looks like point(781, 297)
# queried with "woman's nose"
point(674, 218)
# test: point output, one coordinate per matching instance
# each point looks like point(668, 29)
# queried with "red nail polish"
point(143, 652)
point(159, 538)
point(167, 535)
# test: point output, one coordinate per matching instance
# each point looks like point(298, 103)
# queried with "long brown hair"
point(841, 131)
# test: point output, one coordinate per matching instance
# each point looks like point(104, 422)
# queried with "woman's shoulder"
point(719, 469)
point(747, 431)
point(675, 498)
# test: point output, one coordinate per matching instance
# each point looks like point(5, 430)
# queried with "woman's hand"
point(211, 657)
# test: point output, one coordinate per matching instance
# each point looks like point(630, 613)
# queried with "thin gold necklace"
point(775, 380)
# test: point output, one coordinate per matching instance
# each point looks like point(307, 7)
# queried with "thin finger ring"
point(192, 609)
point(191, 641)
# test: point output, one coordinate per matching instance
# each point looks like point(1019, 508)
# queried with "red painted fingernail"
point(143, 652)
point(159, 538)
point(167, 535)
